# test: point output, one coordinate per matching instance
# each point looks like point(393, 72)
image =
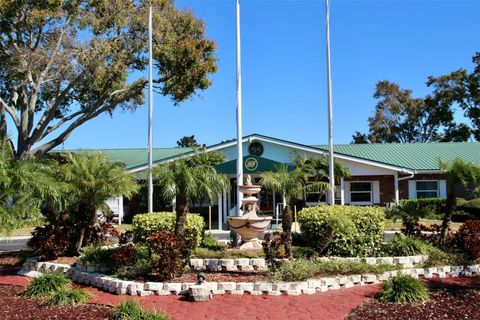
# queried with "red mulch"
point(456, 292)
point(450, 298)
point(239, 276)
point(14, 307)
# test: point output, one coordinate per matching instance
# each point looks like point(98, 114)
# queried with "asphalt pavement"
point(13, 244)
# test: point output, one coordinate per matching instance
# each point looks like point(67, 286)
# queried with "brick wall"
point(386, 186)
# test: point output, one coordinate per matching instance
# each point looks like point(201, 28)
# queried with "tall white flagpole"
point(150, 111)
point(331, 193)
point(239, 115)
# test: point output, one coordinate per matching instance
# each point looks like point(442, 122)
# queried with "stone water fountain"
point(250, 226)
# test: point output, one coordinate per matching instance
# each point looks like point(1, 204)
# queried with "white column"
point(274, 203)
point(120, 209)
point(225, 207)
point(174, 204)
point(395, 185)
point(342, 191)
point(220, 211)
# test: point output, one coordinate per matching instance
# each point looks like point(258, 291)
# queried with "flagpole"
point(150, 112)
point(331, 193)
point(239, 114)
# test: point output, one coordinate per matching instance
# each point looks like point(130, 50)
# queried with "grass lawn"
point(397, 225)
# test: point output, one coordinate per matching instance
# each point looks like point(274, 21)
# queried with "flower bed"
point(309, 286)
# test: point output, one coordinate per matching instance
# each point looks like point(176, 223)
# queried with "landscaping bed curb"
point(33, 268)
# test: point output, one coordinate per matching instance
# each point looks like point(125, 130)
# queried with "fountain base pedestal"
point(254, 244)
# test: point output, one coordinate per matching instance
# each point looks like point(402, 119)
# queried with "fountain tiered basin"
point(250, 226)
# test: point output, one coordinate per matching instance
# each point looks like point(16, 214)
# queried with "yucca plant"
point(405, 246)
point(46, 284)
point(403, 289)
point(68, 297)
point(131, 310)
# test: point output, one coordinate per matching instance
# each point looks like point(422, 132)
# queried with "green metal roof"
point(414, 156)
point(134, 158)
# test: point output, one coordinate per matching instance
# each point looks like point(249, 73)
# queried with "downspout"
point(397, 179)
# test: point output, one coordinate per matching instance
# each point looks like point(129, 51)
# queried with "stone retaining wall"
point(246, 264)
point(311, 286)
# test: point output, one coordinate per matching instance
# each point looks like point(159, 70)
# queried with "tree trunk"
point(86, 226)
point(287, 230)
point(181, 210)
point(450, 206)
point(322, 246)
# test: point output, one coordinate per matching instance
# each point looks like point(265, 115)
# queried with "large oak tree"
point(63, 63)
point(400, 117)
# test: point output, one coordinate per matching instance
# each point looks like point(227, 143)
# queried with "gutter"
point(411, 174)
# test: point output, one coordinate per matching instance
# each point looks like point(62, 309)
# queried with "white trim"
point(291, 145)
point(430, 180)
point(442, 188)
point(362, 202)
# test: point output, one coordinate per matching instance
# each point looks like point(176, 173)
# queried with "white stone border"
point(311, 286)
point(246, 264)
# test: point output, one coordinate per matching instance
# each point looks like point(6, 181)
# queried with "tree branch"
point(11, 112)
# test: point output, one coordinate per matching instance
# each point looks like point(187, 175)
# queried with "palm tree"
point(291, 184)
point(458, 172)
point(88, 180)
point(23, 187)
point(318, 167)
point(194, 177)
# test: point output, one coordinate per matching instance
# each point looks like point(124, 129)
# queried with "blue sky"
point(283, 69)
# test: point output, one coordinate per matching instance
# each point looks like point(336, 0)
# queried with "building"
point(381, 174)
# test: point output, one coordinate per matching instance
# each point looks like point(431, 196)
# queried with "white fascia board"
point(428, 172)
point(289, 145)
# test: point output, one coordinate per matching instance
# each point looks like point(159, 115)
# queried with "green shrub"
point(298, 270)
point(100, 255)
point(205, 253)
point(135, 270)
point(303, 252)
point(462, 216)
point(68, 297)
point(402, 245)
point(403, 289)
point(46, 284)
point(438, 257)
point(131, 310)
point(210, 242)
point(295, 270)
point(144, 225)
point(358, 230)
point(472, 207)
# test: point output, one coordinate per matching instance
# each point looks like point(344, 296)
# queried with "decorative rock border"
point(246, 264)
point(311, 286)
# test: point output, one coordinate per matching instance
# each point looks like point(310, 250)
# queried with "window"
point(427, 189)
point(361, 192)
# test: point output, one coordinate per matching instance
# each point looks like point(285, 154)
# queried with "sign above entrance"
point(251, 164)
point(255, 149)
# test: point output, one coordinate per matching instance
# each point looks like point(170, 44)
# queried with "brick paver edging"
point(33, 268)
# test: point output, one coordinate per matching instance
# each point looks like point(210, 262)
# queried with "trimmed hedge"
point(472, 207)
point(430, 208)
point(144, 225)
point(362, 237)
